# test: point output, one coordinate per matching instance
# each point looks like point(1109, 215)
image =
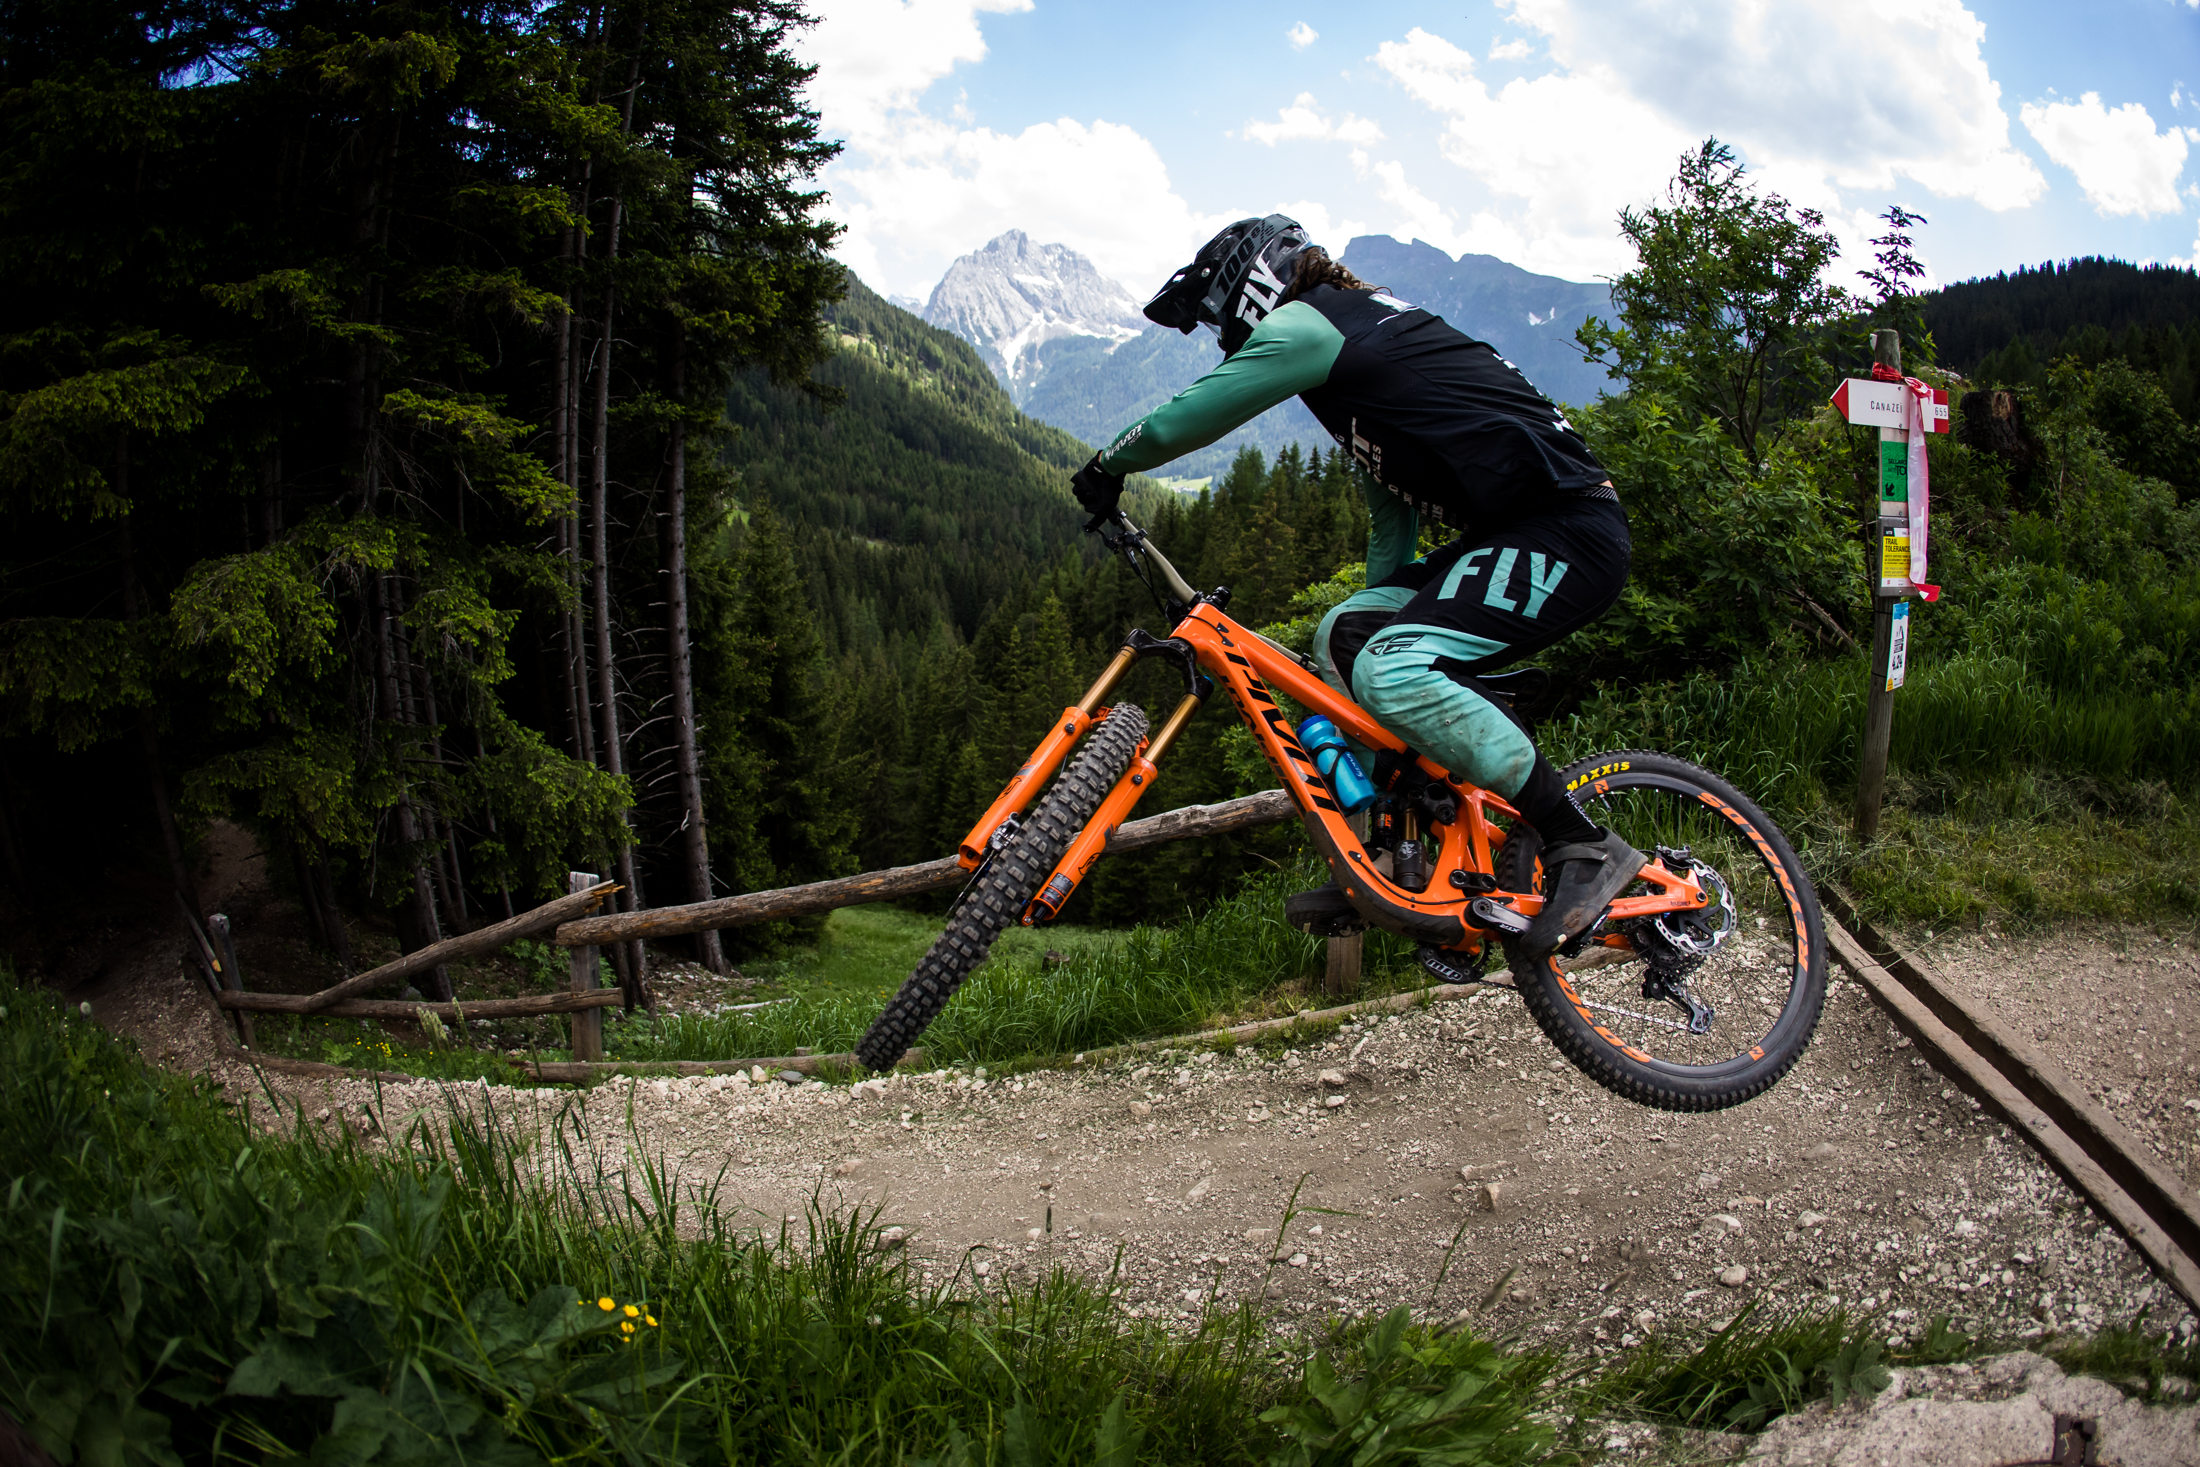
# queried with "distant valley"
point(1072, 350)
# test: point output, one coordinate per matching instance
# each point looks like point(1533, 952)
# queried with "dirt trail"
point(1863, 1179)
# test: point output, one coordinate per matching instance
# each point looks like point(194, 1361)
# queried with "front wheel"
point(1691, 1012)
point(1002, 890)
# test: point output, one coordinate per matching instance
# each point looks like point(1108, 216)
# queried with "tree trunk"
point(672, 545)
point(309, 899)
point(327, 880)
point(133, 607)
point(628, 957)
point(10, 852)
point(271, 493)
point(416, 923)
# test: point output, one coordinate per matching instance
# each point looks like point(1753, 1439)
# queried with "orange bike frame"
point(1252, 671)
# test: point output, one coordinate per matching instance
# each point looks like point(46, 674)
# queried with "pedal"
point(1502, 918)
point(1437, 962)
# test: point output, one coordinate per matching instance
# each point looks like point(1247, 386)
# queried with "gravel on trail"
point(1443, 1158)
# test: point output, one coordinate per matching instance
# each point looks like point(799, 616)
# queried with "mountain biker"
point(1443, 429)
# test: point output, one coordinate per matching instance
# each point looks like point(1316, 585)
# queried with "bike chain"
point(1611, 1008)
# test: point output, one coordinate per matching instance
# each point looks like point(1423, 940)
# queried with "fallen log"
point(1266, 808)
point(450, 949)
point(397, 1008)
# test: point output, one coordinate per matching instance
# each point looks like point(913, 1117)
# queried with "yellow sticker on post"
point(1894, 555)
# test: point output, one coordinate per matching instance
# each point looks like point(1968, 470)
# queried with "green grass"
point(1233, 960)
point(2006, 798)
point(869, 950)
point(188, 1287)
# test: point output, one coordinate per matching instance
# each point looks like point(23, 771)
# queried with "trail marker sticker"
point(1871, 404)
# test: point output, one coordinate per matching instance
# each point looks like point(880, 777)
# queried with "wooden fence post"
point(1871, 775)
point(1342, 973)
point(587, 1024)
point(225, 950)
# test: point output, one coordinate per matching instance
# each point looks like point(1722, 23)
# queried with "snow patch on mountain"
point(1013, 296)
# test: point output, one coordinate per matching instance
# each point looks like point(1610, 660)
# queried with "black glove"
point(1097, 490)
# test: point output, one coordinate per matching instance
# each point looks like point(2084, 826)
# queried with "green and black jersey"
point(1451, 430)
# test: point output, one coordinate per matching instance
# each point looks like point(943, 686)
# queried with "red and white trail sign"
point(1872, 404)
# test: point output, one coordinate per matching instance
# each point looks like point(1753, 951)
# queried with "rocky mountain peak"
point(1012, 296)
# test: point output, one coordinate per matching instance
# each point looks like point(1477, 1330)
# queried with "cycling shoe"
point(1580, 881)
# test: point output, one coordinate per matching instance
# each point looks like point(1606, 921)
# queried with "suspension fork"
point(1092, 841)
point(1075, 722)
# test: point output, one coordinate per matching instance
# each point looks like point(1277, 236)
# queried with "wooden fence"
point(566, 920)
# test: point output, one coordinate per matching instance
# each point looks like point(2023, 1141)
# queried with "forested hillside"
point(958, 605)
point(921, 496)
point(360, 384)
point(2008, 328)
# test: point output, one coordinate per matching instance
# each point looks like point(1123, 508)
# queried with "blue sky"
point(1131, 131)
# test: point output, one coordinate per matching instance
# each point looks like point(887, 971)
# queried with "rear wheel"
point(1001, 892)
point(1690, 1012)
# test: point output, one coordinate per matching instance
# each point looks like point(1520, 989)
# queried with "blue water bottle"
point(1334, 759)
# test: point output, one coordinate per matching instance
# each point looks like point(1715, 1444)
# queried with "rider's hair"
point(1314, 267)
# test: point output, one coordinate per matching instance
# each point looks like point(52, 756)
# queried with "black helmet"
point(1236, 278)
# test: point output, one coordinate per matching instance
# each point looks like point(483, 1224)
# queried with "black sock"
point(1542, 800)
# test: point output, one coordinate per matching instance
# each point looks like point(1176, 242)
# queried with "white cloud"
point(916, 190)
point(876, 57)
point(1301, 36)
point(1858, 93)
point(1303, 122)
point(1562, 152)
point(2122, 163)
point(936, 190)
point(1512, 50)
point(1821, 98)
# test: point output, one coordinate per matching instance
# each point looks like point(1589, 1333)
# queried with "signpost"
point(1886, 405)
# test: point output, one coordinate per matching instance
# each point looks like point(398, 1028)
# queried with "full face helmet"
point(1234, 281)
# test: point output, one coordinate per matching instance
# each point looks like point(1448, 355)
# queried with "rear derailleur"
point(1675, 944)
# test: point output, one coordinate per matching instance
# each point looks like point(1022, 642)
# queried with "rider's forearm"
point(1393, 532)
point(1289, 353)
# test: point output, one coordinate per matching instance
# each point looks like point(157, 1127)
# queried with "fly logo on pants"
point(1543, 578)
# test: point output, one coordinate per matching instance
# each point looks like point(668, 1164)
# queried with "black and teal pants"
point(1408, 650)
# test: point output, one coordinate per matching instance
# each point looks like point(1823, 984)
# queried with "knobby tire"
point(999, 896)
point(1562, 1007)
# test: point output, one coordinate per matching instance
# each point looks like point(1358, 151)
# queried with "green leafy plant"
point(1415, 1396)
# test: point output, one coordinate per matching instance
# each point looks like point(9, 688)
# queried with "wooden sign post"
point(1885, 405)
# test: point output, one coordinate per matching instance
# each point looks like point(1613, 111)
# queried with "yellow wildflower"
point(626, 1326)
point(607, 1303)
point(651, 1320)
point(632, 1312)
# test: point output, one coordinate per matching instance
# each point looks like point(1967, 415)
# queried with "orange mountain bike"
point(1696, 990)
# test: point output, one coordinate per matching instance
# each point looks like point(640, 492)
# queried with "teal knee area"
point(1383, 601)
point(1395, 681)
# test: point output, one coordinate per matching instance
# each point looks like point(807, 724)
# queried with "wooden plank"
point(1266, 808)
point(1963, 1064)
point(472, 944)
point(397, 1008)
point(2124, 1156)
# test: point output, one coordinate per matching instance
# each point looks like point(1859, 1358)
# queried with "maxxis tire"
point(1550, 996)
point(998, 898)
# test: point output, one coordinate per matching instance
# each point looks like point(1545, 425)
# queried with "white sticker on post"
point(1898, 646)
